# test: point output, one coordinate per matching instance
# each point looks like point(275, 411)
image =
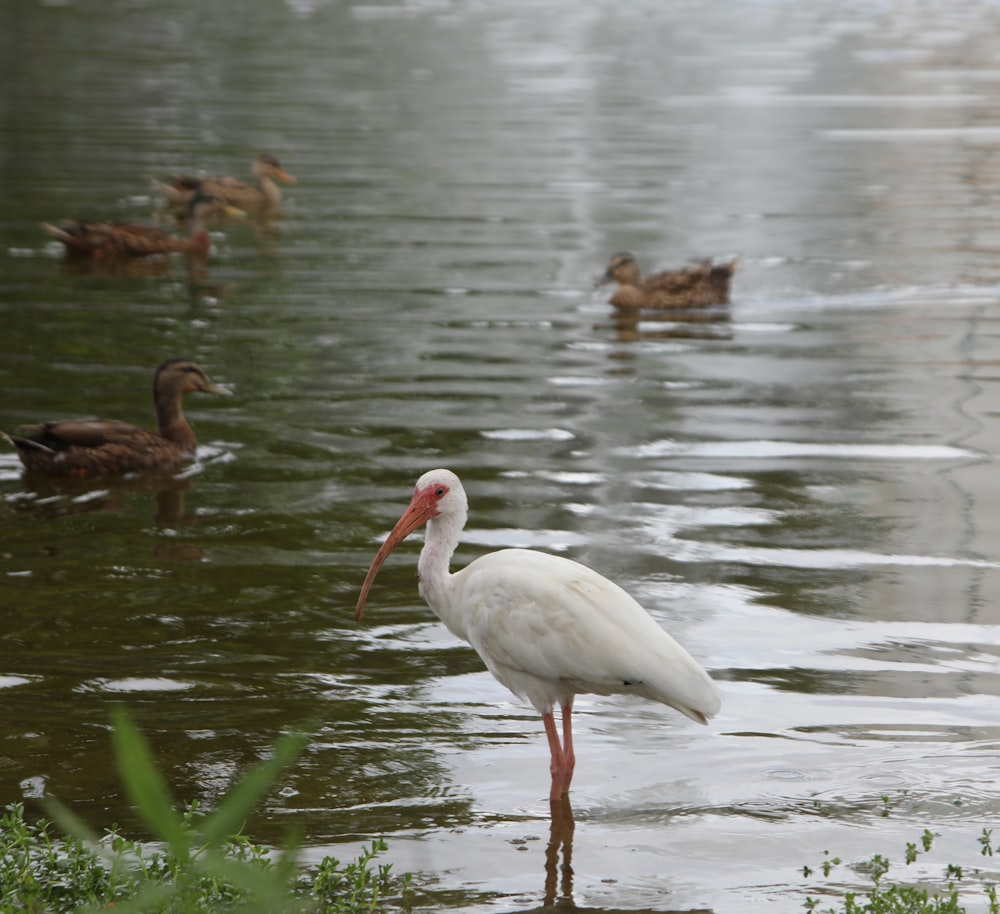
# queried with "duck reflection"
point(632, 325)
point(200, 286)
point(125, 267)
point(61, 496)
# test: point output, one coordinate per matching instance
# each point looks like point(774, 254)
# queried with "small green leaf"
point(150, 897)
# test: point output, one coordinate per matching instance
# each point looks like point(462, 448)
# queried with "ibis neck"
point(435, 578)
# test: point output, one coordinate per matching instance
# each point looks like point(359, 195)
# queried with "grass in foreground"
point(199, 862)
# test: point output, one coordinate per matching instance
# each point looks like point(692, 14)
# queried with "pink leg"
point(563, 759)
point(569, 758)
point(556, 766)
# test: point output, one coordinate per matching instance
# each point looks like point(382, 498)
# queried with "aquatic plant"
point(887, 896)
point(198, 861)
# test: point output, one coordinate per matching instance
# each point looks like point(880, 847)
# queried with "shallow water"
point(802, 490)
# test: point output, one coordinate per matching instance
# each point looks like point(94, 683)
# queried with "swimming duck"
point(127, 239)
point(107, 447)
point(260, 199)
point(697, 286)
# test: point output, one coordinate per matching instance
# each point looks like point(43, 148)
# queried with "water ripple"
point(764, 449)
point(689, 551)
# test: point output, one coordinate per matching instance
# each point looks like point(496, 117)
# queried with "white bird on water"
point(547, 628)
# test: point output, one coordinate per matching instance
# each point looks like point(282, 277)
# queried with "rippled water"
point(802, 490)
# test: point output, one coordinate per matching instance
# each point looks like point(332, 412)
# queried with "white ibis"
point(547, 628)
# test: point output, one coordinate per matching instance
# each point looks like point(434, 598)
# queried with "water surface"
point(803, 491)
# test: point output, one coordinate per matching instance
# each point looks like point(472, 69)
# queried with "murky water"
point(804, 491)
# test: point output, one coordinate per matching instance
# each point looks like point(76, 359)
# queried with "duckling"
point(125, 239)
point(107, 447)
point(697, 286)
point(260, 199)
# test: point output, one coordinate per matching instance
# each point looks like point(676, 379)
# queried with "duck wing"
point(699, 285)
point(88, 433)
point(120, 239)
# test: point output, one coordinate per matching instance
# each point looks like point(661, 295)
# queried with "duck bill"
point(285, 177)
point(416, 515)
point(602, 280)
point(211, 388)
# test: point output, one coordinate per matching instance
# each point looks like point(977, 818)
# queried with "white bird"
point(547, 628)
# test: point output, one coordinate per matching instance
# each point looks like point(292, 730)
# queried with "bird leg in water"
point(563, 758)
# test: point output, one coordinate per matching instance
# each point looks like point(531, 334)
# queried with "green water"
point(803, 491)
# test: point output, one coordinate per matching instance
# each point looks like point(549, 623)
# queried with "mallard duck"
point(262, 198)
point(697, 286)
point(107, 447)
point(127, 239)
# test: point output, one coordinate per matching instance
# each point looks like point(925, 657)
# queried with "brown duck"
point(125, 240)
point(107, 447)
point(260, 199)
point(697, 286)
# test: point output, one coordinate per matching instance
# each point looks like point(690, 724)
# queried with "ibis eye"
point(439, 492)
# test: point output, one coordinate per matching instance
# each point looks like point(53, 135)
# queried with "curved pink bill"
point(417, 513)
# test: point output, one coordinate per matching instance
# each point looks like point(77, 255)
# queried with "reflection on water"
point(130, 267)
point(801, 487)
point(633, 326)
point(559, 852)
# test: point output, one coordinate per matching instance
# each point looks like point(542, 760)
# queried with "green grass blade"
point(145, 785)
point(69, 822)
point(241, 799)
